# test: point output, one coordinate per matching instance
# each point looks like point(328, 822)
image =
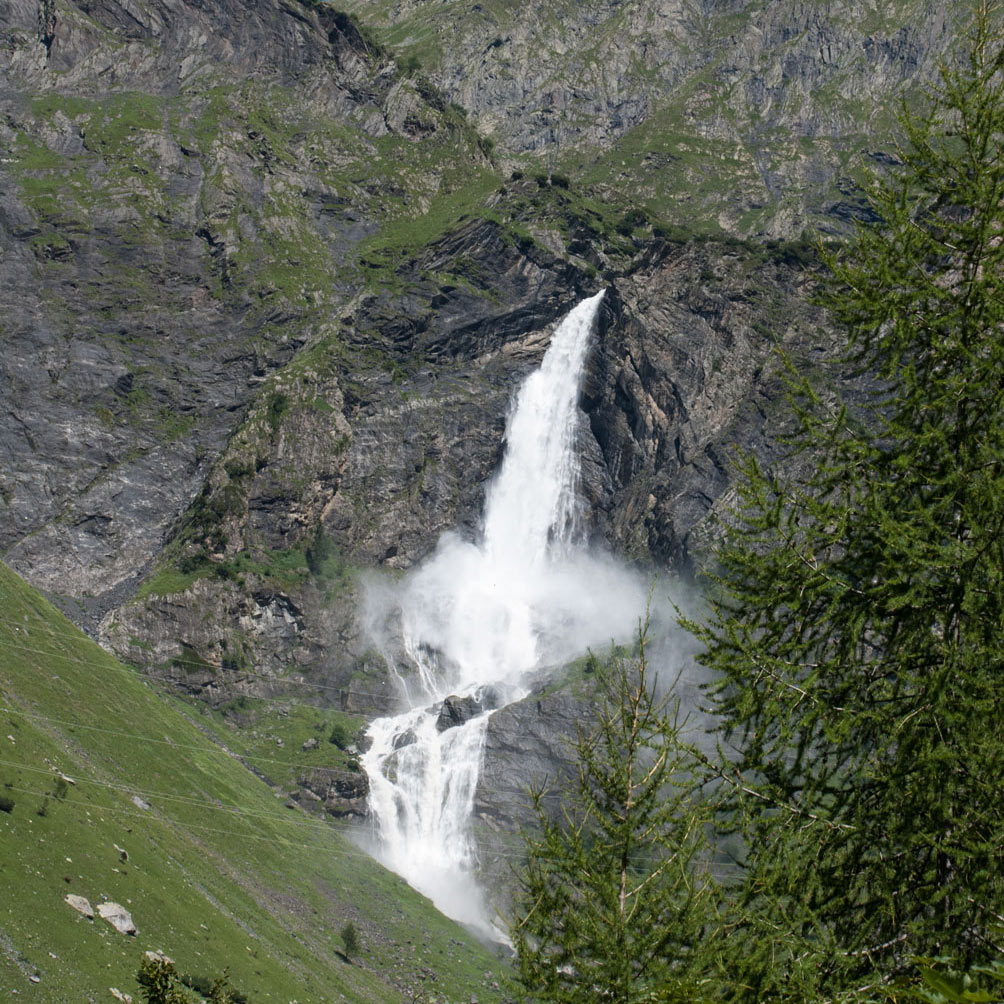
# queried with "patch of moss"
point(190, 661)
point(173, 426)
point(46, 106)
point(168, 580)
point(113, 126)
point(401, 240)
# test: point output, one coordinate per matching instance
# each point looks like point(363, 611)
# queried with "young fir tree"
point(159, 981)
point(858, 624)
point(614, 897)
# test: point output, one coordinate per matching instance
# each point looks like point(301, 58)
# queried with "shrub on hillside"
point(340, 736)
point(350, 939)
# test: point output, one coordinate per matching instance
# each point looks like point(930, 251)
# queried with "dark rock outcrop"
point(458, 710)
point(527, 747)
point(455, 711)
point(341, 793)
point(685, 375)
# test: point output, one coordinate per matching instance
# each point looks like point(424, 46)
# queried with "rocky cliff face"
point(182, 186)
point(681, 376)
point(230, 241)
point(749, 115)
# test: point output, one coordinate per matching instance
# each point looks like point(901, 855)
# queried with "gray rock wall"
point(757, 109)
point(182, 184)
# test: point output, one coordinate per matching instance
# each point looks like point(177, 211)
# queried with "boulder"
point(342, 792)
point(403, 739)
point(118, 916)
point(80, 904)
point(347, 793)
point(457, 710)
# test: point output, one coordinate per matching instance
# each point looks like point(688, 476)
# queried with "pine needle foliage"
point(857, 624)
point(613, 899)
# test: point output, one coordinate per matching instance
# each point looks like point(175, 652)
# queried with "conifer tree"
point(857, 621)
point(614, 895)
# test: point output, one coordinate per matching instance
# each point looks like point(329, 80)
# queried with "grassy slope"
point(218, 873)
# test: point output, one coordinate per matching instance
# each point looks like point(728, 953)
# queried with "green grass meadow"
point(111, 792)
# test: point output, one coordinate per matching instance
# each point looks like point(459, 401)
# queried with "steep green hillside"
point(110, 793)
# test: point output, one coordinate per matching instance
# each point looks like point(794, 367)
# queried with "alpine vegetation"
point(857, 611)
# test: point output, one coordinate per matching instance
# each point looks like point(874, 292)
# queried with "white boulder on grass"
point(118, 916)
point(80, 904)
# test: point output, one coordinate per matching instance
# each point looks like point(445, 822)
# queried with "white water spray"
point(475, 619)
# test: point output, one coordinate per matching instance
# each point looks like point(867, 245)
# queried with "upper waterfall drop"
point(476, 618)
point(531, 507)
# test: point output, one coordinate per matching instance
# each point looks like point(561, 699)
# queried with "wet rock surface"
point(458, 710)
point(527, 747)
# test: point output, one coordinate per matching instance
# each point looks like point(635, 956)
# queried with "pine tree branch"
point(739, 784)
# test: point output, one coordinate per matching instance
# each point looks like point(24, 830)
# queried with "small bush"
point(318, 551)
point(234, 661)
point(278, 405)
point(193, 563)
point(6, 804)
point(191, 661)
point(671, 233)
point(630, 221)
point(340, 736)
point(325, 562)
point(162, 984)
point(560, 180)
point(215, 991)
point(159, 982)
point(237, 468)
point(350, 939)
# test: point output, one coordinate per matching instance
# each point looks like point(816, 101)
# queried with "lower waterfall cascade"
point(476, 618)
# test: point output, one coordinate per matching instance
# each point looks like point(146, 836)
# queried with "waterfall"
point(476, 618)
